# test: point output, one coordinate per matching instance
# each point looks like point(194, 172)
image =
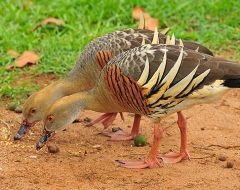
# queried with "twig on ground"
point(8, 126)
point(210, 156)
point(222, 146)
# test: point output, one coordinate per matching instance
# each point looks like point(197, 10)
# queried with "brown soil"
point(87, 160)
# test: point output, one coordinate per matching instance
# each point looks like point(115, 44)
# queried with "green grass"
point(60, 46)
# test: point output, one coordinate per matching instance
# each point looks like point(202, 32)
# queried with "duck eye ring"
point(50, 118)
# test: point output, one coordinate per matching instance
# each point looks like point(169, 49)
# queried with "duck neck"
point(99, 100)
point(58, 89)
point(68, 86)
point(83, 76)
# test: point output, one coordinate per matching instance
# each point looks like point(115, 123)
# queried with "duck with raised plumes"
point(84, 74)
point(154, 81)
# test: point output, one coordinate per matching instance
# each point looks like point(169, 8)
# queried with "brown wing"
point(116, 43)
point(193, 71)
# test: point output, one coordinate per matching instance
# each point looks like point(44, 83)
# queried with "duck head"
point(58, 116)
point(33, 111)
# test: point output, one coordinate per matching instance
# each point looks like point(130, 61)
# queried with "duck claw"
point(173, 157)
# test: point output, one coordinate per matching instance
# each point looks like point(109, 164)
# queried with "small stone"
point(224, 103)
point(229, 165)
point(137, 181)
point(115, 129)
point(32, 156)
point(53, 148)
point(202, 128)
point(222, 158)
point(97, 146)
point(87, 119)
point(18, 110)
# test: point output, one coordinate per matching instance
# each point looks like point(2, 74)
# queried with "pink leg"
point(136, 125)
point(121, 115)
point(106, 119)
point(152, 156)
point(122, 135)
point(173, 157)
point(109, 120)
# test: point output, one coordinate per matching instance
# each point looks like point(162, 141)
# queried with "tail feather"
point(232, 83)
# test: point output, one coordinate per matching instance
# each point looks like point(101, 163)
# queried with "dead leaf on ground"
point(12, 52)
point(27, 4)
point(136, 13)
point(25, 58)
point(50, 20)
point(53, 20)
point(150, 23)
point(208, 17)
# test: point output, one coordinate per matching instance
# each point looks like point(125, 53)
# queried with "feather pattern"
point(167, 79)
point(118, 42)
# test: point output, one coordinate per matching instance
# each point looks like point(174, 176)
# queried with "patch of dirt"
point(86, 160)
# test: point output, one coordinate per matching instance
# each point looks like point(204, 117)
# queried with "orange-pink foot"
point(152, 156)
point(139, 164)
point(106, 119)
point(173, 157)
point(119, 135)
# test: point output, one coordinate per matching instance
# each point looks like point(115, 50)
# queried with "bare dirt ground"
point(87, 160)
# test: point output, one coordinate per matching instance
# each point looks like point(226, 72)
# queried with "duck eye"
point(50, 118)
point(33, 110)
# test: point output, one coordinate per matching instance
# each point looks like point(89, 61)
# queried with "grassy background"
point(60, 46)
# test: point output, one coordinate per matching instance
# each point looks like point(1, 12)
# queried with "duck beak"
point(45, 138)
point(24, 128)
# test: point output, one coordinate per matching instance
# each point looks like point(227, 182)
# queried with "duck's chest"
point(124, 92)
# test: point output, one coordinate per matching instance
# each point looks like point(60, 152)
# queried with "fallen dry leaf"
point(12, 52)
point(136, 13)
point(50, 20)
point(151, 23)
point(27, 3)
point(208, 17)
point(25, 58)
